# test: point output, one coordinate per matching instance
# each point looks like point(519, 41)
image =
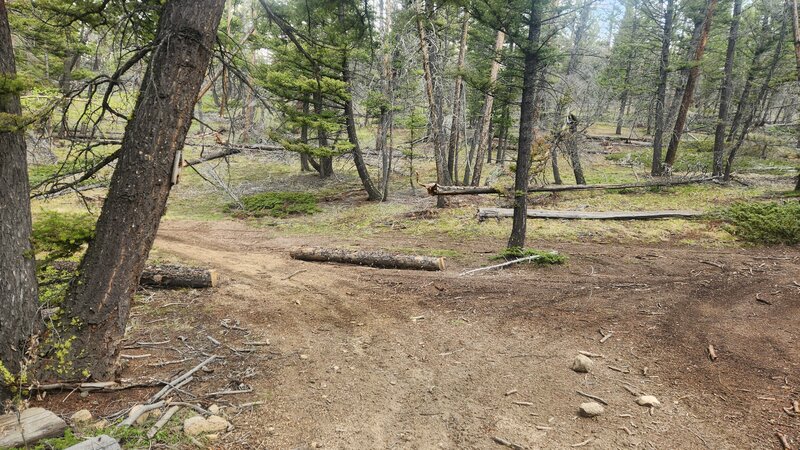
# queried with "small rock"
point(303, 356)
point(591, 409)
point(213, 409)
point(218, 423)
point(100, 424)
point(212, 437)
point(582, 364)
point(84, 394)
point(648, 400)
point(81, 416)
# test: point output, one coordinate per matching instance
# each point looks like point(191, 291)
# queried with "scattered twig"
point(197, 408)
point(758, 298)
point(497, 266)
point(715, 264)
point(581, 444)
point(249, 404)
point(627, 430)
point(593, 397)
point(590, 354)
point(523, 403)
point(135, 415)
point(606, 336)
point(296, 272)
point(712, 353)
point(513, 391)
point(167, 363)
point(631, 390)
point(181, 378)
point(796, 406)
point(617, 369)
point(784, 441)
point(162, 421)
point(506, 443)
point(146, 355)
point(229, 392)
point(214, 341)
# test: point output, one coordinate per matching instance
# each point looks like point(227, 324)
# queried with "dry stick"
point(506, 443)
point(523, 403)
point(715, 264)
point(186, 375)
point(162, 421)
point(135, 415)
point(215, 394)
point(796, 406)
point(497, 266)
point(249, 404)
point(167, 363)
point(759, 299)
point(581, 444)
point(590, 354)
point(712, 353)
point(784, 441)
point(593, 397)
point(197, 408)
point(295, 273)
point(606, 336)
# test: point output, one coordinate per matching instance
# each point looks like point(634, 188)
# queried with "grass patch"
point(544, 258)
point(764, 223)
point(276, 204)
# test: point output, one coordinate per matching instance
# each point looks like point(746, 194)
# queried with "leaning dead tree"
point(435, 189)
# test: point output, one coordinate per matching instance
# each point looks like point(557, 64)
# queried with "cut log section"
point(496, 213)
point(164, 275)
point(32, 425)
point(436, 189)
point(365, 258)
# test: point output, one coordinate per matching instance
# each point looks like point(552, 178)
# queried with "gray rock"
point(197, 425)
point(591, 409)
point(582, 364)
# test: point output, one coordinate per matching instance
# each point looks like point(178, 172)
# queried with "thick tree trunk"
point(530, 73)
point(18, 296)
point(688, 93)
point(435, 117)
point(571, 142)
point(727, 88)
point(373, 193)
point(661, 90)
point(109, 274)
point(481, 142)
point(796, 29)
point(365, 258)
point(455, 128)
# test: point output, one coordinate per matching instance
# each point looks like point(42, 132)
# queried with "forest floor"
point(370, 358)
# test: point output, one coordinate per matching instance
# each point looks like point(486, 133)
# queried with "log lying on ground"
point(492, 213)
point(365, 258)
point(435, 189)
point(33, 425)
point(164, 275)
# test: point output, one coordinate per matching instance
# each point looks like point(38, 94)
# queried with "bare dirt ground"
point(370, 358)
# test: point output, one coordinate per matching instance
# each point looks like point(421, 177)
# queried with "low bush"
point(61, 235)
point(544, 258)
point(276, 204)
point(764, 223)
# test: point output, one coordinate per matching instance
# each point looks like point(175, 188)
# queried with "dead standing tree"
point(100, 297)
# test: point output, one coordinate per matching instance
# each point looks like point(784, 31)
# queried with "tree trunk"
point(481, 142)
point(442, 174)
point(373, 193)
point(365, 258)
point(762, 94)
point(688, 93)
point(571, 142)
point(796, 29)
point(727, 88)
point(455, 128)
point(661, 91)
point(18, 286)
point(304, 166)
point(109, 273)
point(530, 72)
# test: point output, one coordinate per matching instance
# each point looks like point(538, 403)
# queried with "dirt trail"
point(369, 358)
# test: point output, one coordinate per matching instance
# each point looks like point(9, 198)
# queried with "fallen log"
point(32, 425)
point(436, 189)
point(365, 258)
point(102, 442)
point(164, 275)
point(496, 213)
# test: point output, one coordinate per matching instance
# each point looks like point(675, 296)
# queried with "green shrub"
point(544, 258)
point(62, 235)
point(277, 204)
point(764, 223)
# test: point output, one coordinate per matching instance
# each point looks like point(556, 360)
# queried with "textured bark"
point(796, 29)
point(530, 73)
point(455, 128)
point(29, 427)
point(18, 296)
point(571, 142)
point(661, 90)
point(364, 258)
point(109, 274)
point(304, 166)
point(435, 117)
point(373, 193)
point(727, 88)
point(486, 112)
point(688, 93)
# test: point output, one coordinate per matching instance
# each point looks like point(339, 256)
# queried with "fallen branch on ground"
point(497, 266)
point(365, 258)
point(436, 189)
point(164, 275)
point(497, 213)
